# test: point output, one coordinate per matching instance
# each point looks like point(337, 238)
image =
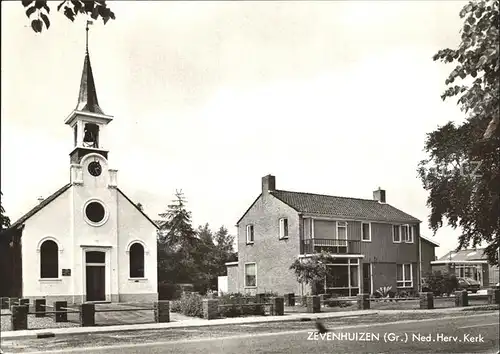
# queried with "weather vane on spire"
point(87, 36)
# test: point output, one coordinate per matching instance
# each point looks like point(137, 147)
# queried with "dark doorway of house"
point(367, 278)
point(95, 274)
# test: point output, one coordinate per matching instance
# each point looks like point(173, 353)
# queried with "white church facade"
point(88, 241)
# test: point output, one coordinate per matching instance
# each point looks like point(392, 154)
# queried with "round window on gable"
point(95, 212)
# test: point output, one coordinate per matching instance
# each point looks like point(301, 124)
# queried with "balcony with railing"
point(335, 246)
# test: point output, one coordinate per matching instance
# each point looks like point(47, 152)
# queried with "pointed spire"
point(87, 98)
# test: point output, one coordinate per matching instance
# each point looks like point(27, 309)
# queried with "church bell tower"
point(88, 119)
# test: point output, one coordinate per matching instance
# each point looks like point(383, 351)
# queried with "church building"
point(88, 241)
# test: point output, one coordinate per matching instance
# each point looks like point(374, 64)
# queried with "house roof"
point(429, 240)
point(250, 207)
point(327, 205)
point(39, 207)
point(466, 256)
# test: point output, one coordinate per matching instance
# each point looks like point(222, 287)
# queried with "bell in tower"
point(91, 135)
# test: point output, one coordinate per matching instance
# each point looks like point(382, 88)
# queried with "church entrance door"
point(95, 274)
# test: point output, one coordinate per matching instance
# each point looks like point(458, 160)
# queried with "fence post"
point(322, 299)
point(13, 301)
point(313, 304)
point(87, 315)
point(426, 300)
point(496, 296)
point(210, 309)
point(5, 303)
point(61, 312)
point(290, 299)
point(363, 301)
point(19, 317)
point(491, 296)
point(278, 306)
point(162, 311)
point(40, 307)
point(461, 298)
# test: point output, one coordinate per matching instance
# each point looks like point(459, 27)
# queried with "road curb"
point(68, 331)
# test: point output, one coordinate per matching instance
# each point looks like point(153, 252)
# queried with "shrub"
point(403, 294)
point(190, 304)
point(175, 306)
point(440, 283)
point(269, 294)
point(235, 298)
point(236, 310)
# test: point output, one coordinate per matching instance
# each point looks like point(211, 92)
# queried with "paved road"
point(472, 333)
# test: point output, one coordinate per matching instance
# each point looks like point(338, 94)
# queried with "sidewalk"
point(198, 322)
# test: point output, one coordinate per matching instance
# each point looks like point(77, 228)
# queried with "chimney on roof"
point(40, 199)
point(268, 184)
point(379, 195)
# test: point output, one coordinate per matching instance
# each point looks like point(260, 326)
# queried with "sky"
point(207, 97)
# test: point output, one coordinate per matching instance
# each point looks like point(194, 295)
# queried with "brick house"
point(469, 263)
point(374, 243)
point(428, 252)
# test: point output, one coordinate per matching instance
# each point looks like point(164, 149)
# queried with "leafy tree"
point(224, 241)
point(176, 229)
point(212, 257)
point(4, 219)
point(205, 234)
point(223, 251)
point(39, 11)
point(311, 270)
point(462, 171)
point(176, 241)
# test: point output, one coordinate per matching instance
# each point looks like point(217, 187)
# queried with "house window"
point(409, 233)
point(342, 277)
point(341, 234)
point(283, 228)
point(136, 261)
point(404, 232)
point(396, 234)
point(366, 234)
point(404, 276)
point(49, 260)
point(250, 275)
point(250, 235)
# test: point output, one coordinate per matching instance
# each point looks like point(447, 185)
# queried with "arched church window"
point(136, 255)
point(49, 260)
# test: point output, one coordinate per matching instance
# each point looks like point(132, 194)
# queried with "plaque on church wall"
point(66, 272)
